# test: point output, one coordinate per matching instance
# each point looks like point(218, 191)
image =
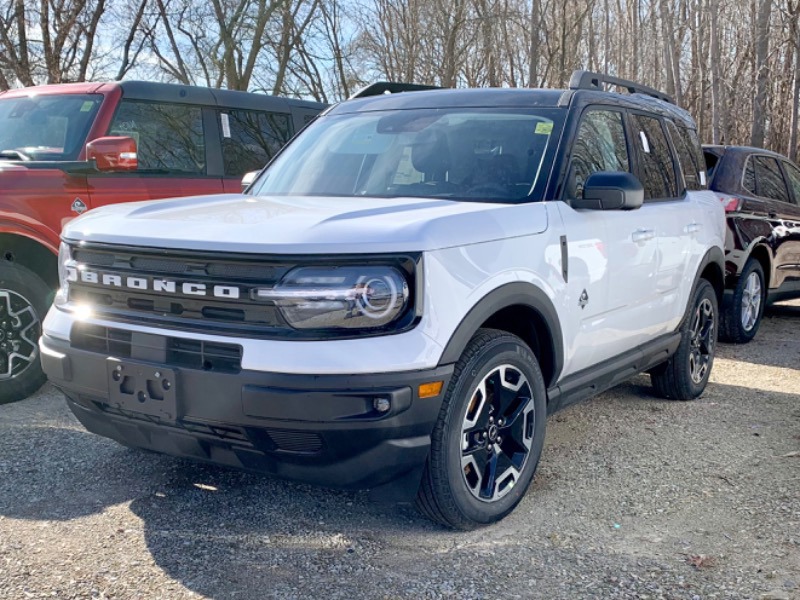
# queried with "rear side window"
point(251, 138)
point(769, 180)
point(690, 157)
point(793, 179)
point(169, 137)
point(599, 146)
point(711, 160)
point(657, 169)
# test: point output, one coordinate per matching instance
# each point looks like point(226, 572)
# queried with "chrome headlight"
point(347, 297)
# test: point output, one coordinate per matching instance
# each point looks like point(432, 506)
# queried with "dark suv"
point(68, 148)
point(760, 191)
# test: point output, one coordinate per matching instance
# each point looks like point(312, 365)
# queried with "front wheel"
point(487, 441)
point(24, 300)
point(685, 375)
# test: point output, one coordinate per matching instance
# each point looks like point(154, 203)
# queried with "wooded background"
point(734, 64)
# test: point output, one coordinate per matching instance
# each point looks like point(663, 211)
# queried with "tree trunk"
point(762, 72)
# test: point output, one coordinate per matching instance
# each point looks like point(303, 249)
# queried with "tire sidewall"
point(499, 352)
point(25, 282)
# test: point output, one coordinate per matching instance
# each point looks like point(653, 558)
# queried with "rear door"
point(174, 147)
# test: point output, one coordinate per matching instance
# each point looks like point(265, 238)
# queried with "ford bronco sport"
point(404, 294)
point(142, 141)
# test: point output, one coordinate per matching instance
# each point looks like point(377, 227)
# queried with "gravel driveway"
point(635, 498)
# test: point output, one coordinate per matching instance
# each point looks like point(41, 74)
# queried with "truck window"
point(251, 138)
point(169, 137)
point(599, 146)
point(690, 160)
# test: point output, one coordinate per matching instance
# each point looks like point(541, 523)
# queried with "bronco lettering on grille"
point(155, 284)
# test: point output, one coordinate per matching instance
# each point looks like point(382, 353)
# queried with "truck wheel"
point(742, 310)
point(24, 299)
point(685, 375)
point(486, 444)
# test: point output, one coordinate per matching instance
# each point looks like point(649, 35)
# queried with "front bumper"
point(320, 429)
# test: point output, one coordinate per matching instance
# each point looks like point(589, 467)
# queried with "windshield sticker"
point(226, 125)
point(87, 106)
point(544, 128)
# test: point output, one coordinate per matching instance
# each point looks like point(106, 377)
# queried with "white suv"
point(404, 294)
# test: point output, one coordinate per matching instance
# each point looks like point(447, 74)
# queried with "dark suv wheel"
point(23, 304)
point(742, 310)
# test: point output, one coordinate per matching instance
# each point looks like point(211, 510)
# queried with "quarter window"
point(169, 137)
point(599, 146)
point(251, 138)
point(769, 180)
point(657, 169)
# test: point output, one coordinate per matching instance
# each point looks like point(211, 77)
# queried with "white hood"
point(306, 225)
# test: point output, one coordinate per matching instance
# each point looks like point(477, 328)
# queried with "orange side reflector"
point(430, 390)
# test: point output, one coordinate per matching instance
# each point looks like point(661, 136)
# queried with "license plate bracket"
point(142, 388)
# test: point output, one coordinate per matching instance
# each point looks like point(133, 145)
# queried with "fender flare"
point(510, 294)
point(713, 256)
point(46, 238)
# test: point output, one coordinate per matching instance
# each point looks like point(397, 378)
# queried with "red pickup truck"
point(65, 149)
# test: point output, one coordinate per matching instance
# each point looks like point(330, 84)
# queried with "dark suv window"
point(169, 137)
point(689, 154)
point(769, 180)
point(251, 138)
point(599, 146)
point(657, 168)
point(793, 179)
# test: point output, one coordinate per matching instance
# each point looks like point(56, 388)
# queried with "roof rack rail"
point(586, 80)
point(389, 87)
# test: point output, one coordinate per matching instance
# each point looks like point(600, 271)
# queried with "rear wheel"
point(24, 299)
point(742, 310)
point(685, 375)
point(486, 444)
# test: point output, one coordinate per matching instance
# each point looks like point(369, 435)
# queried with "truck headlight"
point(67, 272)
point(347, 297)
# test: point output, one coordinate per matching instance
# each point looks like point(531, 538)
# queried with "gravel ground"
point(635, 498)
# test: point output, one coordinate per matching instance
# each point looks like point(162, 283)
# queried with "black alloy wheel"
point(487, 441)
point(24, 300)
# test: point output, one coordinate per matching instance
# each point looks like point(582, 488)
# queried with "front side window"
point(47, 127)
point(251, 138)
point(471, 154)
point(655, 159)
point(169, 137)
point(769, 180)
point(599, 146)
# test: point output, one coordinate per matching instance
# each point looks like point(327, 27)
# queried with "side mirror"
point(611, 191)
point(248, 179)
point(113, 153)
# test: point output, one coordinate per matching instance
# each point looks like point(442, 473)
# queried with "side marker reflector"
point(430, 390)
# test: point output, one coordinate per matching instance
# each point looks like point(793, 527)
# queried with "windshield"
point(485, 155)
point(50, 127)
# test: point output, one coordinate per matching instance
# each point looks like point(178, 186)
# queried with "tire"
point(685, 375)
point(24, 300)
point(460, 487)
point(742, 310)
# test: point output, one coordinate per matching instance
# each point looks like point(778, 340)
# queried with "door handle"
point(642, 235)
point(692, 228)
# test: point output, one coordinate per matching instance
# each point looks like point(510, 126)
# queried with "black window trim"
point(675, 168)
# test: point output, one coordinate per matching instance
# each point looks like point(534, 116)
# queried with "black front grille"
point(179, 352)
point(191, 292)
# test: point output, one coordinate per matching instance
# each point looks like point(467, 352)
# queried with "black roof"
point(189, 94)
point(511, 98)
